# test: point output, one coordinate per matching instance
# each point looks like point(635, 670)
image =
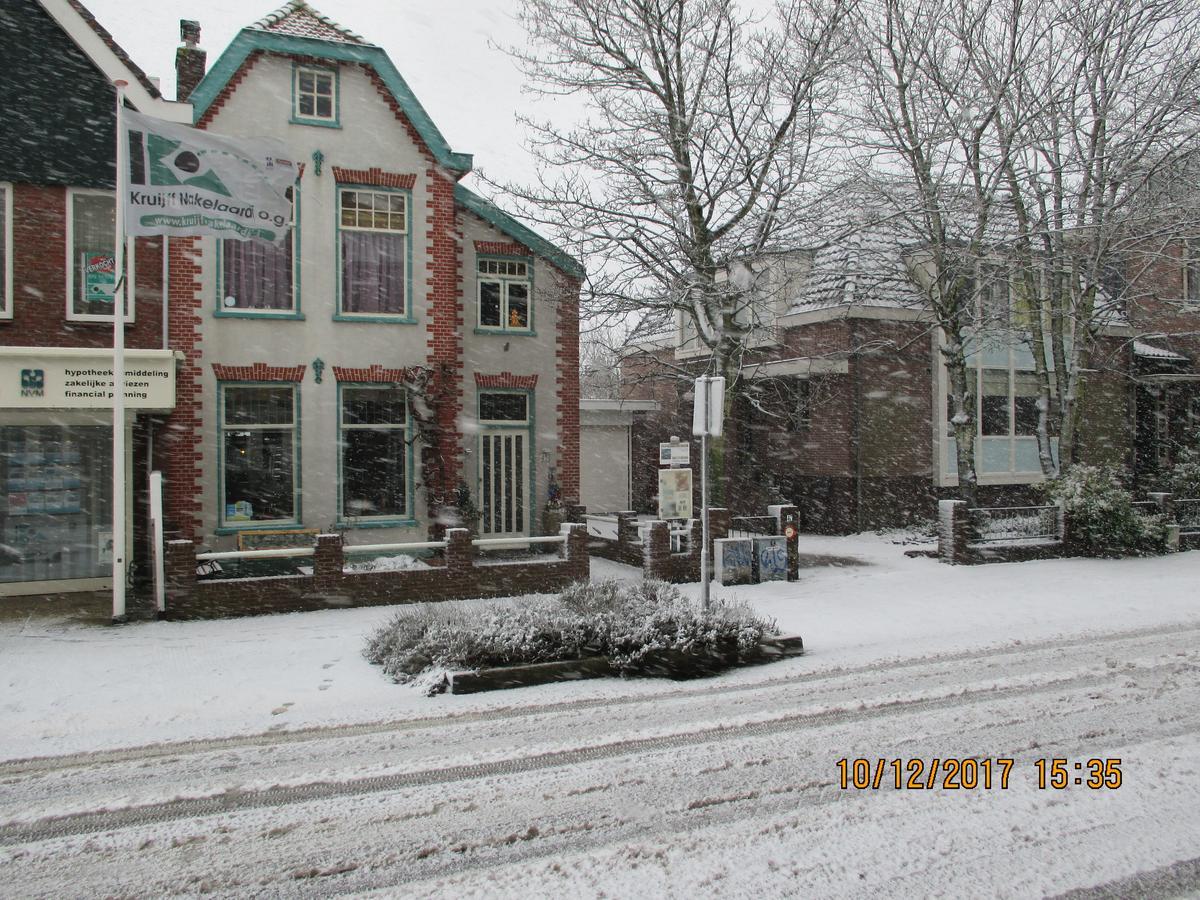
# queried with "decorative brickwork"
point(566, 364)
point(374, 374)
point(445, 324)
point(259, 372)
point(506, 380)
point(226, 92)
point(178, 448)
point(375, 177)
point(501, 248)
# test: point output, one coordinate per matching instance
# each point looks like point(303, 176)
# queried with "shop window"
point(6, 281)
point(91, 260)
point(373, 252)
point(373, 448)
point(314, 93)
point(504, 292)
point(56, 518)
point(257, 277)
point(259, 446)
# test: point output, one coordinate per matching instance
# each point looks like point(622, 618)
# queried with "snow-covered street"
point(288, 776)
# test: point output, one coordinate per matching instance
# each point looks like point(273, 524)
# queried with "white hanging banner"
point(708, 417)
point(183, 181)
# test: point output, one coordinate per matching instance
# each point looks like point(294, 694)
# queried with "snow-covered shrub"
point(1184, 479)
point(1102, 518)
point(628, 623)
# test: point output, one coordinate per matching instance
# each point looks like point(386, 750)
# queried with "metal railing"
point(1187, 515)
point(1013, 524)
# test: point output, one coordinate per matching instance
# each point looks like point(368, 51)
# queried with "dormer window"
point(314, 96)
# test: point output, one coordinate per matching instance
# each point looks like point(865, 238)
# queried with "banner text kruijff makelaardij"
point(183, 181)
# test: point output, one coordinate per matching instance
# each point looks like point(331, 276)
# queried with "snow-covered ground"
point(70, 687)
point(297, 770)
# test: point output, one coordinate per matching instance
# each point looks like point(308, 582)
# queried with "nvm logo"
point(33, 382)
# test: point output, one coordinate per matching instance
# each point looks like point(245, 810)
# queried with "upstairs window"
point(91, 257)
point(1191, 272)
point(257, 277)
point(314, 93)
point(373, 252)
point(504, 292)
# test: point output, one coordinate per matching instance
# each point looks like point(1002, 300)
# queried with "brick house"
point(842, 407)
point(1164, 311)
point(57, 240)
point(410, 345)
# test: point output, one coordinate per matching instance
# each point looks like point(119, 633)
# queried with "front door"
point(504, 483)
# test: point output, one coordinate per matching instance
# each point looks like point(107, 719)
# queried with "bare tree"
point(923, 125)
point(1108, 94)
point(695, 154)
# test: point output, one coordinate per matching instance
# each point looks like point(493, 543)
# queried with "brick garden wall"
point(459, 575)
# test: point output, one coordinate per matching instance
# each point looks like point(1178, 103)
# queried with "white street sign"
point(708, 413)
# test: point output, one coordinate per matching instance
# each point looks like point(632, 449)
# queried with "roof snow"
point(298, 19)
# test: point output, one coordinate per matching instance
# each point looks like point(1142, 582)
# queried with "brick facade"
point(566, 363)
point(506, 380)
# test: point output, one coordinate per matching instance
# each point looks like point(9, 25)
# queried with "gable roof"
point(285, 32)
point(501, 220)
point(299, 19)
point(81, 26)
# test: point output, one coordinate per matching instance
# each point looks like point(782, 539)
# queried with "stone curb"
point(505, 677)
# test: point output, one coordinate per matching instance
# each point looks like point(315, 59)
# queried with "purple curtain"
point(373, 272)
point(258, 275)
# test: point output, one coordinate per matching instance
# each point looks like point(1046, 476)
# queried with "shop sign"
point(674, 493)
point(36, 378)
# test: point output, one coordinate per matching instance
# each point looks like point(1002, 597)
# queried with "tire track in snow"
point(109, 820)
point(45, 764)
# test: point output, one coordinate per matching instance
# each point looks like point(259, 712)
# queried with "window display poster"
point(674, 493)
point(99, 277)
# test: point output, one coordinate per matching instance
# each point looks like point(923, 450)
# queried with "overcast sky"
point(447, 50)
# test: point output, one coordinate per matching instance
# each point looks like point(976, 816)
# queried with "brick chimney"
point(189, 60)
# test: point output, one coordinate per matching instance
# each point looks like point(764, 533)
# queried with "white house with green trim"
point(411, 346)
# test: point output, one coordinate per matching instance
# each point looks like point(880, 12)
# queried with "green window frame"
point(315, 96)
point(504, 295)
point(6, 250)
point(258, 452)
point(374, 240)
point(228, 304)
point(375, 455)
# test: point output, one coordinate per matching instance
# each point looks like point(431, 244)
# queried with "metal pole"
point(118, 419)
point(703, 383)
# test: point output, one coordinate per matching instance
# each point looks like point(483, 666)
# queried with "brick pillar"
point(575, 550)
point(788, 518)
point(954, 532)
point(460, 554)
point(179, 567)
point(177, 446)
point(656, 552)
point(328, 560)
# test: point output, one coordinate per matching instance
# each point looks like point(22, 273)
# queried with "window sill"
point(250, 314)
point(375, 319)
point(320, 123)
point(255, 526)
point(377, 523)
point(503, 332)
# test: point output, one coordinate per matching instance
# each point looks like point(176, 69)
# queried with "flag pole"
point(118, 391)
